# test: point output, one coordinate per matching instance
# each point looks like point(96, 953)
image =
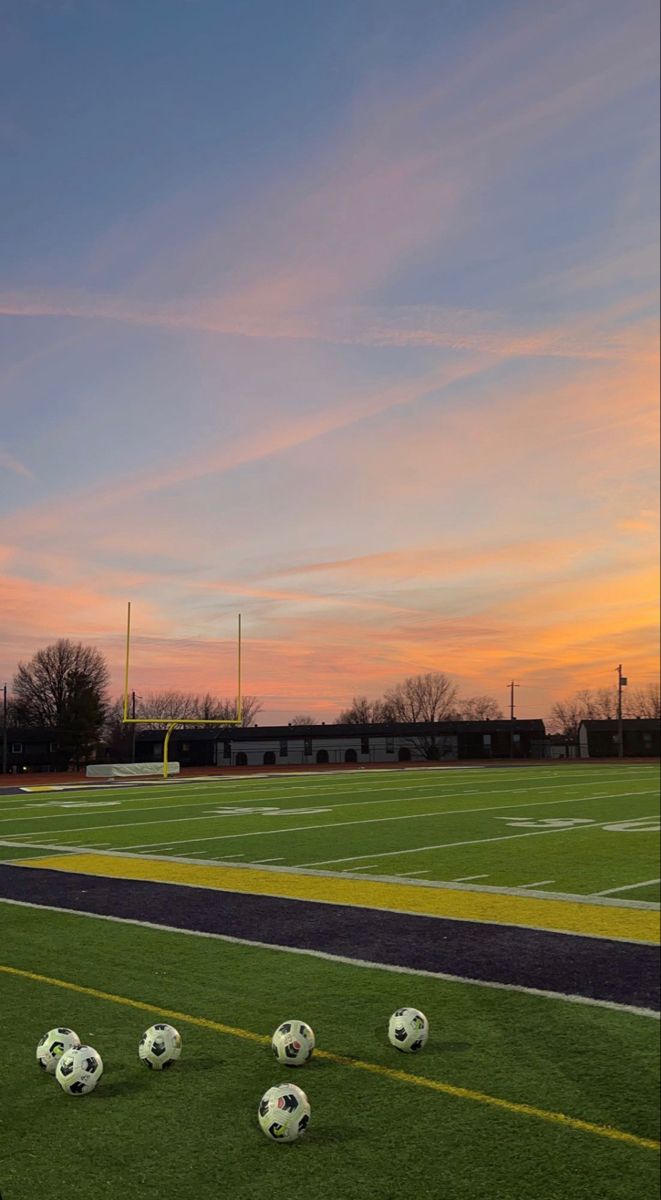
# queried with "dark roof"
point(271, 732)
point(649, 723)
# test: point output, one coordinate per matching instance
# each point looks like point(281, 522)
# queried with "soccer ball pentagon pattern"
point(53, 1045)
point(408, 1030)
point(160, 1047)
point(284, 1112)
point(293, 1043)
point(79, 1070)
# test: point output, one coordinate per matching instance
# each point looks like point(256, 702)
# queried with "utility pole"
point(4, 730)
point(511, 687)
point(621, 682)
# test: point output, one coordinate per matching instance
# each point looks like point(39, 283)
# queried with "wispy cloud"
point(8, 462)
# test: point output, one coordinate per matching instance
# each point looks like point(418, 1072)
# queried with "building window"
point(516, 737)
point(486, 738)
point(158, 749)
point(364, 745)
point(307, 745)
point(390, 745)
point(17, 747)
point(53, 746)
point(647, 739)
point(227, 749)
point(185, 747)
point(283, 748)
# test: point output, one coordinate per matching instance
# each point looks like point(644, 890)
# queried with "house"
point(296, 745)
point(599, 739)
point(34, 748)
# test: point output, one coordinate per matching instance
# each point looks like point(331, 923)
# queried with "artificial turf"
point(191, 1134)
point(499, 826)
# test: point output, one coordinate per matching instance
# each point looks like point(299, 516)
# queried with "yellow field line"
point(435, 1085)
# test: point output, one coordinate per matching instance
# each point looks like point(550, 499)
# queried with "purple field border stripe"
point(595, 968)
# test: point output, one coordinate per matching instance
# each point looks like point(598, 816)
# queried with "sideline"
point(368, 964)
point(436, 1085)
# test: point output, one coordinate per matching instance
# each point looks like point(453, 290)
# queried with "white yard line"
point(403, 874)
point(326, 825)
point(535, 884)
point(627, 887)
point(467, 878)
point(257, 862)
point(158, 809)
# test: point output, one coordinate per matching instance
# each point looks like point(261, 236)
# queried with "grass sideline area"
point(193, 1131)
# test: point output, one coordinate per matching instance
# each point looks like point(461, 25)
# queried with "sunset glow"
point(343, 318)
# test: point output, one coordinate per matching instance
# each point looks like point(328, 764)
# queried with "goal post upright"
point(172, 722)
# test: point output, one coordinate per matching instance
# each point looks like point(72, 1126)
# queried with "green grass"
point(192, 1134)
point(434, 825)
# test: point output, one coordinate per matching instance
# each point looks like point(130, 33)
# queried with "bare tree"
point(598, 706)
point(479, 708)
point(426, 698)
point(644, 702)
point(159, 706)
point(565, 718)
point(431, 697)
point(586, 705)
point(302, 719)
point(116, 738)
point(362, 711)
point(64, 687)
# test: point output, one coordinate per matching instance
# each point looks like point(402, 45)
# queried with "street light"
point(621, 682)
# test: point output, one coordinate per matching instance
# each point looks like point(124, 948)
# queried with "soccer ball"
point(293, 1043)
point(160, 1047)
point(53, 1045)
point(408, 1029)
point(284, 1112)
point(79, 1070)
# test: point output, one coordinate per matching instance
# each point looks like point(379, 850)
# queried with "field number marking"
point(545, 822)
point(635, 825)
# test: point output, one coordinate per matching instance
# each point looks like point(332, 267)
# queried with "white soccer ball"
point(79, 1070)
point(53, 1045)
point(408, 1030)
point(160, 1047)
point(284, 1112)
point(293, 1043)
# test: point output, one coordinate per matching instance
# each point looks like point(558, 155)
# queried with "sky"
point(340, 316)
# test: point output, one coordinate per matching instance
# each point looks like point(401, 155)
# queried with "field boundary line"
point(368, 964)
point(448, 1089)
point(591, 899)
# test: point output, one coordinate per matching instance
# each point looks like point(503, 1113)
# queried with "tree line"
point(65, 687)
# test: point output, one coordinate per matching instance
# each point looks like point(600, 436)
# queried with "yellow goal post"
point(172, 722)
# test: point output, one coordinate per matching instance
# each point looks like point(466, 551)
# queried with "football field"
point(580, 830)
point(517, 907)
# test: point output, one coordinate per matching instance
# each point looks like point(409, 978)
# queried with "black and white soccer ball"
point(284, 1112)
point(53, 1045)
point(408, 1030)
point(79, 1070)
point(160, 1047)
point(293, 1043)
